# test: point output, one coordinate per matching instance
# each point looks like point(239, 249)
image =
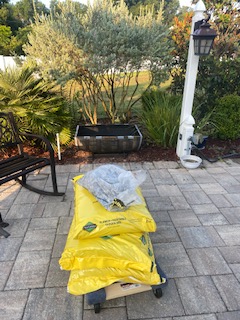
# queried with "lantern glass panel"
point(202, 47)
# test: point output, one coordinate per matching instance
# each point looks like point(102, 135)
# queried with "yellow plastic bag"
point(96, 262)
point(85, 281)
point(123, 251)
point(93, 220)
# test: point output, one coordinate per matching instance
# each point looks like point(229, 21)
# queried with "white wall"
point(8, 61)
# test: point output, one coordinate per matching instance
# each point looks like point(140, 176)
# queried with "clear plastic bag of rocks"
point(113, 186)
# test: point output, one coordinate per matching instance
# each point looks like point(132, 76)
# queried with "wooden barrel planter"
point(115, 138)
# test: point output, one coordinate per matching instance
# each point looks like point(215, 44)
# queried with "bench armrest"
point(48, 144)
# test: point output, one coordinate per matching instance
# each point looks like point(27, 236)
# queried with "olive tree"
point(104, 50)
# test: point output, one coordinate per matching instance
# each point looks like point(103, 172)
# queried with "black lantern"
point(203, 39)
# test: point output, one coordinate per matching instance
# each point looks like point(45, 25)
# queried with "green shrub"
point(160, 117)
point(227, 117)
point(216, 78)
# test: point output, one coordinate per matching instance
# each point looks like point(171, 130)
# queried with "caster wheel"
point(158, 292)
point(97, 307)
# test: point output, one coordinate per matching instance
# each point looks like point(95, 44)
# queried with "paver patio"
point(197, 244)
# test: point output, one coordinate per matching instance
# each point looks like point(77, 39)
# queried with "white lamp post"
point(203, 38)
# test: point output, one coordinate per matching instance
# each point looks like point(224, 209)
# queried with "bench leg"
point(54, 179)
point(55, 192)
point(43, 192)
point(39, 191)
point(3, 225)
point(4, 233)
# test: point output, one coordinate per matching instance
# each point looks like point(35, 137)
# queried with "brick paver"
point(197, 244)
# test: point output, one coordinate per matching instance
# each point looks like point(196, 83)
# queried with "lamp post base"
point(184, 144)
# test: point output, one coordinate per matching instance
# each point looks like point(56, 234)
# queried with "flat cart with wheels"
point(120, 289)
point(108, 250)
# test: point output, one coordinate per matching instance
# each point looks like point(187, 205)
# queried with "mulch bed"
point(215, 148)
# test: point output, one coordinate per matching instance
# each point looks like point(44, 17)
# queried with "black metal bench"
point(3, 225)
point(17, 167)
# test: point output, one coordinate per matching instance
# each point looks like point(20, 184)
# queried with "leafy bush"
point(218, 73)
point(227, 117)
point(36, 104)
point(104, 51)
point(160, 117)
point(216, 78)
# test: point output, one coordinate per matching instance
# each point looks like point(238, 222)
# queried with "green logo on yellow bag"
point(143, 239)
point(106, 237)
point(150, 252)
point(89, 227)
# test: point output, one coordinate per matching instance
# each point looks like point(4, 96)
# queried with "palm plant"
point(36, 104)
